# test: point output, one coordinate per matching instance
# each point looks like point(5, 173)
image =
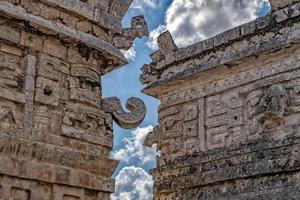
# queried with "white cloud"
point(152, 42)
point(143, 4)
point(134, 150)
point(133, 183)
point(190, 21)
point(130, 54)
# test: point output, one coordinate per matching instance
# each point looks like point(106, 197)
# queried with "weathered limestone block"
point(54, 48)
point(55, 133)
point(47, 91)
point(277, 4)
point(120, 7)
point(166, 43)
point(229, 119)
point(9, 34)
point(138, 29)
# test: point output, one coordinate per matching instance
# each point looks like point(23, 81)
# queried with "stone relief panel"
point(85, 84)
point(273, 109)
point(16, 90)
point(46, 120)
point(267, 108)
point(85, 123)
point(228, 119)
point(47, 91)
point(179, 130)
point(67, 101)
point(51, 89)
point(224, 120)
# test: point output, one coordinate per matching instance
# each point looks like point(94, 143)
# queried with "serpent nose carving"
point(127, 120)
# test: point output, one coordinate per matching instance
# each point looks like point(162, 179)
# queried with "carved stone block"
point(85, 125)
point(47, 91)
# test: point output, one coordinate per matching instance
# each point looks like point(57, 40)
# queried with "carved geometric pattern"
point(224, 120)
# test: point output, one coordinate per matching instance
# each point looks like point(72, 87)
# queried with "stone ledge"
point(276, 28)
point(257, 187)
point(54, 174)
point(284, 72)
point(85, 38)
point(59, 156)
point(213, 156)
point(250, 165)
point(89, 12)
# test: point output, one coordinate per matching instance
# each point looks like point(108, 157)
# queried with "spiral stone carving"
point(123, 118)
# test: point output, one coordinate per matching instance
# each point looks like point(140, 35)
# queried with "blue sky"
point(189, 21)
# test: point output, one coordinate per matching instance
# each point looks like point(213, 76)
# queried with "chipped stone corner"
point(229, 119)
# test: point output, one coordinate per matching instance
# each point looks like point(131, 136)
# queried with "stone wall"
point(229, 119)
point(55, 128)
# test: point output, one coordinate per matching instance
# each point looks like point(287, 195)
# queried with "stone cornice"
point(98, 15)
point(279, 28)
point(87, 39)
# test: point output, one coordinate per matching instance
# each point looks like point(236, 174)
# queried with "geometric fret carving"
point(224, 120)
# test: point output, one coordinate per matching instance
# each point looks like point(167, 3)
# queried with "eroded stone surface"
point(229, 119)
point(125, 119)
point(55, 135)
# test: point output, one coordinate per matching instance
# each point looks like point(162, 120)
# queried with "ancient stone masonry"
point(55, 128)
point(229, 119)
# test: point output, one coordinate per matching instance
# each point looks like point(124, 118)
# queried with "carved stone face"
point(273, 106)
point(267, 108)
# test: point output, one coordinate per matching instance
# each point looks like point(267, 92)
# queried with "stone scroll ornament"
point(127, 120)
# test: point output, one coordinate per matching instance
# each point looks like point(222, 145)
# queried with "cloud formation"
point(152, 42)
point(130, 54)
point(133, 183)
point(143, 4)
point(134, 150)
point(190, 21)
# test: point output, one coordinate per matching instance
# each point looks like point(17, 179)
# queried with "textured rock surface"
point(55, 131)
point(229, 119)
